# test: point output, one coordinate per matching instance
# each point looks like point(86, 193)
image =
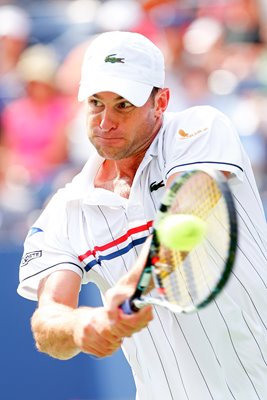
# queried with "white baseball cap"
point(125, 63)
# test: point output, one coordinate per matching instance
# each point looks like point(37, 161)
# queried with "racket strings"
point(188, 278)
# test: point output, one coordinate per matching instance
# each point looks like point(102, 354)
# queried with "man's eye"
point(125, 104)
point(94, 103)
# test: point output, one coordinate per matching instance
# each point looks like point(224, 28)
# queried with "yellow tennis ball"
point(181, 231)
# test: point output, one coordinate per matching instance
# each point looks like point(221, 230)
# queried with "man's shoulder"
point(201, 111)
point(191, 119)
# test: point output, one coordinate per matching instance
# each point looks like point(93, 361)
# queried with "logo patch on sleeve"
point(184, 135)
point(30, 256)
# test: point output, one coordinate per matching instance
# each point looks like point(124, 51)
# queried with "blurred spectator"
point(34, 127)
point(262, 7)
point(239, 17)
point(15, 29)
point(34, 137)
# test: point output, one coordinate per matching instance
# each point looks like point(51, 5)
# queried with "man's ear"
point(161, 101)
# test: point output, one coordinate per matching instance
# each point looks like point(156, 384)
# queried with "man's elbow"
point(48, 341)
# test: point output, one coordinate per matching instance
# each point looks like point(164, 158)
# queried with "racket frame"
point(137, 301)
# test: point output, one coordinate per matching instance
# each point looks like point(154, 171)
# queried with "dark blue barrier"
point(27, 374)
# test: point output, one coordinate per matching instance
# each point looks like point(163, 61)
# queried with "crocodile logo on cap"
point(112, 59)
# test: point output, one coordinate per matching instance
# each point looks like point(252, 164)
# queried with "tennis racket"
point(184, 282)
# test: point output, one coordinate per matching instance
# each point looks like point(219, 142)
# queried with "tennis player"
point(95, 227)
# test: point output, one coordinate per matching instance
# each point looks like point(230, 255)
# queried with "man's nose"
point(107, 121)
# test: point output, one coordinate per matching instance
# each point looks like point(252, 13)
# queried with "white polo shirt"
point(219, 353)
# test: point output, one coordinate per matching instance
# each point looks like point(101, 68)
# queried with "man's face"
point(117, 128)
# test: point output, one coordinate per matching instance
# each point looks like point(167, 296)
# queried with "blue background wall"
point(27, 374)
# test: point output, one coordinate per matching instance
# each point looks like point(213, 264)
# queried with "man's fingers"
point(102, 346)
point(129, 324)
point(115, 298)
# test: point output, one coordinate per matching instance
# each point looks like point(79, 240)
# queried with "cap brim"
point(135, 92)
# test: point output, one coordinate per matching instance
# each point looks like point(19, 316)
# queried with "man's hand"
point(100, 331)
point(94, 331)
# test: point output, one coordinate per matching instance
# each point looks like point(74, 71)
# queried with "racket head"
point(187, 282)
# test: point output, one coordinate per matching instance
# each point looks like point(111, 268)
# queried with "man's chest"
point(109, 230)
point(120, 186)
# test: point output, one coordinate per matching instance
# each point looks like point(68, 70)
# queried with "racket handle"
point(129, 307)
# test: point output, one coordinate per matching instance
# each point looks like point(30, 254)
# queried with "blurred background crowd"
point(215, 50)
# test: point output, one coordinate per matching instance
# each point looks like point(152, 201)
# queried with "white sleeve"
point(47, 248)
point(202, 137)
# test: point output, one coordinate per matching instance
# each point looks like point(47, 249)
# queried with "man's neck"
point(118, 175)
